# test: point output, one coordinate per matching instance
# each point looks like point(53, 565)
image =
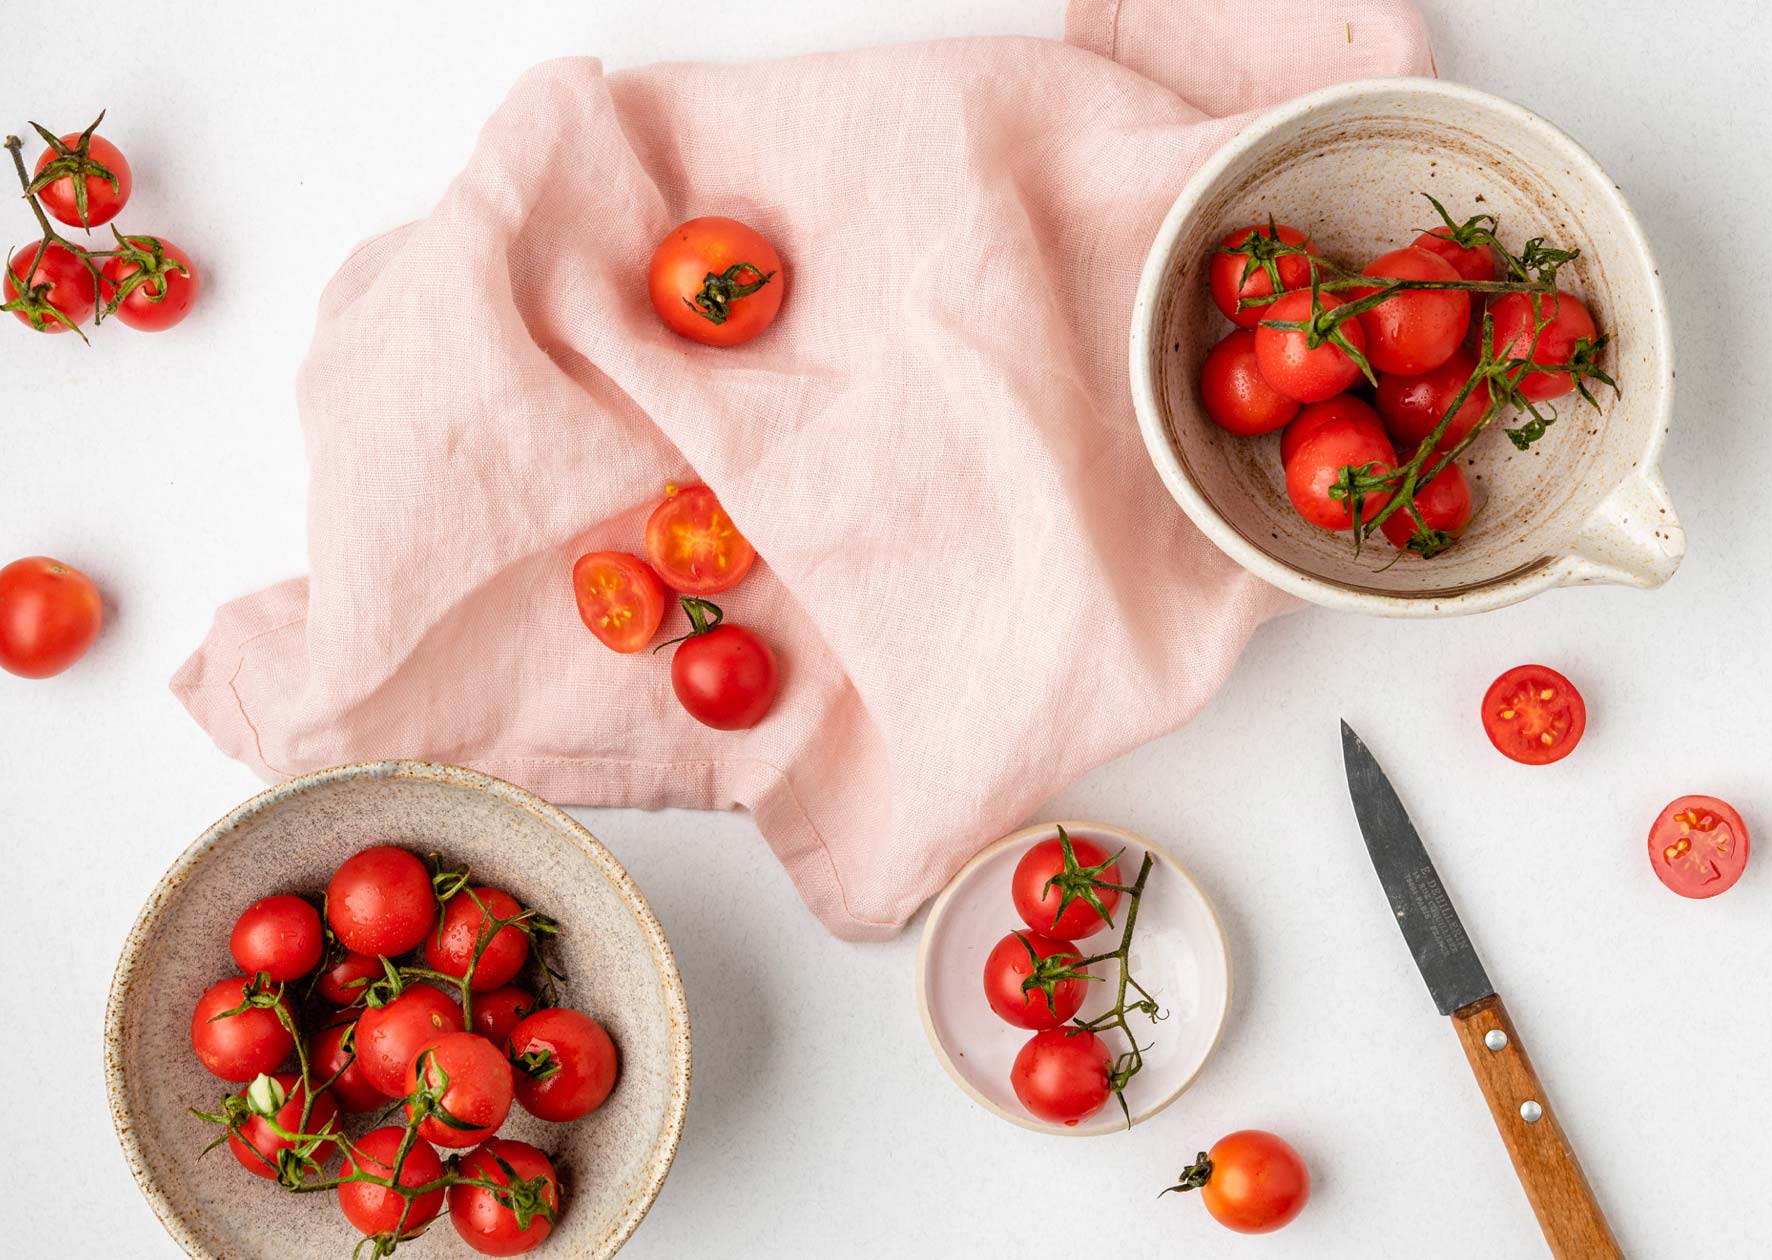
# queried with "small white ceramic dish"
point(1178, 954)
point(1347, 165)
point(618, 966)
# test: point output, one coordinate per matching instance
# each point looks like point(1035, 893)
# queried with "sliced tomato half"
point(1534, 715)
point(620, 598)
point(694, 545)
point(1698, 846)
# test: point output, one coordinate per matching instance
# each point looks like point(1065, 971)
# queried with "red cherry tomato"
point(1343, 408)
point(620, 598)
point(1061, 1075)
point(1251, 1182)
point(1040, 884)
point(390, 1037)
point(374, 1209)
point(450, 949)
point(468, 1087)
point(1444, 504)
point(1317, 465)
point(530, 1186)
point(1412, 405)
point(1418, 329)
point(1230, 277)
point(693, 544)
point(1234, 393)
point(343, 983)
point(61, 283)
point(49, 616)
point(332, 1060)
point(153, 284)
point(1293, 368)
point(1472, 262)
point(1009, 965)
point(96, 174)
point(1698, 846)
point(565, 1064)
point(716, 281)
point(1534, 715)
point(724, 676)
point(257, 1145)
point(1515, 316)
point(280, 936)
point(241, 1046)
point(501, 1010)
point(380, 902)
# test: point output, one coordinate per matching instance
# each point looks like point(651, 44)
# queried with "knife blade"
point(1568, 1213)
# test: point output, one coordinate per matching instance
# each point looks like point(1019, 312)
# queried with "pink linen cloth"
point(975, 582)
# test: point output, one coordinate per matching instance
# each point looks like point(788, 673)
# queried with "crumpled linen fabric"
point(972, 576)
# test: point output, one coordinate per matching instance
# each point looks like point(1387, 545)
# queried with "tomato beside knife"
point(1533, 715)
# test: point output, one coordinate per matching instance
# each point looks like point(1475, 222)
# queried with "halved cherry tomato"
point(1236, 397)
point(1232, 276)
point(1698, 846)
point(1412, 405)
point(1418, 329)
point(1316, 467)
point(1054, 999)
point(1319, 416)
point(1534, 715)
point(619, 598)
point(1569, 323)
point(716, 281)
point(693, 544)
point(1445, 507)
point(1293, 367)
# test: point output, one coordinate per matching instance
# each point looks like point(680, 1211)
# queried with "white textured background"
point(171, 469)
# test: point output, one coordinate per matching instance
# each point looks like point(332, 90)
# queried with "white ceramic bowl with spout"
point(1347, 165)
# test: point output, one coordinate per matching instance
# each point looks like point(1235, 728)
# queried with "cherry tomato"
point(450, 949)
point(1225, 273)
point(724, 676)
point(390, 1037)
point(374, 1209)
point(468, 1083)
point(257, 1145)
point(1316, 466)
point(61, 283)
point(280, 936)
point(1473, 262)
point(1534, 715)
point(332, 1061)
point(693, 544)
point(1444, 504)
point(1039, 885)
point(1412, 405)
point(238, 1047)
point(103, 176)
point(716, 281)
point(1418, 329)
point(620, 598)
point(501, 1010)
point(1515, 316)
point(1698, 846)
point(1304, 374)
point(565, 1064)
point(380, 902)
point(530, 1183)
point(1252, 1182)
point(49, 615)
point(1009, 964)
point(1061, 1075)
point(343, 983)
point(1234, 393)
point(1318, 416)
point(153, 284)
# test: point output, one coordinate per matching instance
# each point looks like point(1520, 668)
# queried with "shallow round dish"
point(1347, 164)
point(618, 966)
point(1178, 953)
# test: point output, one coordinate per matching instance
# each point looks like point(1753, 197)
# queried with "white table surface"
point(172, 470)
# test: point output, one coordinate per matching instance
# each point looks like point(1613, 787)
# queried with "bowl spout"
point(1633, 538)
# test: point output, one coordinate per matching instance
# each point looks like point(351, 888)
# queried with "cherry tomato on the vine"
point(380, 902)
point(620, 598)
point(716, 281)
point(343, 983)
point(1416, 330)
point(1343, 408)
point(1236, 396)
point(1471, 262)
point(374, 1209)
point(693, 545)
point(240, 1046)
point(501, 1010)
point(1534, 715)
point(1009, 965)
point(1413, 405)
point(450, 949)
point(724, 676)
point(280, 936)
point(1227, 272)
point(1317, 465)
point(466, 1085)
point(332, 1060)
point(565, 1064)
point(1251, 1181)
point(58, 295)
point(1698, 846)
point(1057, 903)
point(256, 1145)
point(49, 615)
point(85, 182)
point(1295, 368)
point(1444, 504)
point(1062, 1075)
point(152, 284)
point(529, 1184)
point(1568, 323)
point(390, 1037)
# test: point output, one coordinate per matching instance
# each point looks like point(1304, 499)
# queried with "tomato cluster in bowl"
point(1380, 379)
point(404, 994)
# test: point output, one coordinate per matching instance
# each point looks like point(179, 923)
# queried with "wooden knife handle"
point(1572, 1222)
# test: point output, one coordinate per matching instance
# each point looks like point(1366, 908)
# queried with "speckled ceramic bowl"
point(618, 966)
point(1347, 164)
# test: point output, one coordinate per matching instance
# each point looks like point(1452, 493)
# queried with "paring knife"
point(1572, 1222)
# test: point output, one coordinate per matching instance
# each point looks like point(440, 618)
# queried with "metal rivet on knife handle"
point(1531, 1112)
point(1495, 1039)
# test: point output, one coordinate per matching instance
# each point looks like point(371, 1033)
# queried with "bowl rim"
point(1497, 592)
point(218, 833)
point(938, 910)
